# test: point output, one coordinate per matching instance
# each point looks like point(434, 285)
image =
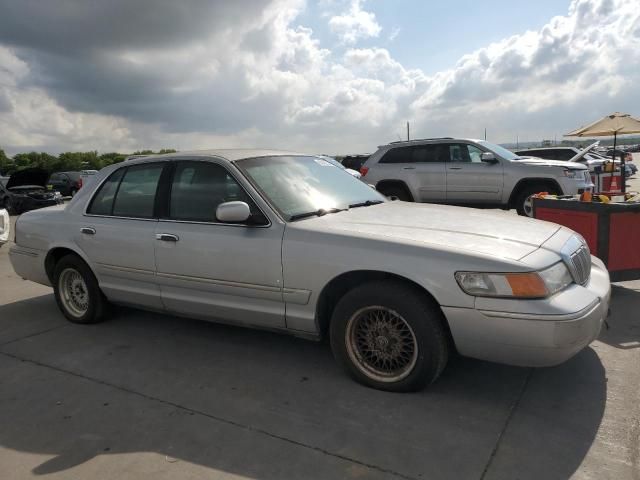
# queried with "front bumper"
point(535, 339)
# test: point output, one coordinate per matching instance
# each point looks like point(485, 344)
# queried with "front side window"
point(198, 188)
point(498, 150)
point(296, 185)
point(464, 153)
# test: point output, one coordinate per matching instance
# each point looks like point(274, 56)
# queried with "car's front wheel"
point(77, 292)
point(389, 336)
point(524, 199)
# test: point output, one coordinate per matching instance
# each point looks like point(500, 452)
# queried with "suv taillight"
point(364, 170)
point(79, 183)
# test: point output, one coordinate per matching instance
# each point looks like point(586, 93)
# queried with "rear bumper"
point(529, 339)
point(28, 263)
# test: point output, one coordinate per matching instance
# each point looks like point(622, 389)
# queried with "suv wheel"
point(77, 292)
point(395, 192)
point(523, 201)
point(388, 336)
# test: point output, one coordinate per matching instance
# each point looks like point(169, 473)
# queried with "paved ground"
point(152, 396)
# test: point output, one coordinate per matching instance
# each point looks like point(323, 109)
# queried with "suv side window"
point(397, 155)
point(198, 188)
point(430, 153)
point(464, 153)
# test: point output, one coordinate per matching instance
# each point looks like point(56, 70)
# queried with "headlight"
point(570, 173)
point(516, 285)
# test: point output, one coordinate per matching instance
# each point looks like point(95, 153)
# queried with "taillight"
point(364, 170)
point(79, 184)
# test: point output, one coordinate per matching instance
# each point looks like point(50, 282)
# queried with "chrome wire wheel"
point(381, 344)
point(74, 293)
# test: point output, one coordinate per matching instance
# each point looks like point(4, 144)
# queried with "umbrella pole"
point(623, 187)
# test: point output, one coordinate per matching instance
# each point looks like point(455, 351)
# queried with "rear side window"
point(137, 192)
point(199, 187)
point(102, 203)
point(417, 154)
point(128, 192)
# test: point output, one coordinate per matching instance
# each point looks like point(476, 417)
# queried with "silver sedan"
point(290, 242)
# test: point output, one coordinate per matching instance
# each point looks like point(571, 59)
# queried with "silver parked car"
point(292, 243)
point(469, 172)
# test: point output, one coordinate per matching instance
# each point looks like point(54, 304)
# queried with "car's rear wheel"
point(77, 292)
point(524, 200)
point(395, 192)
point(389, 336)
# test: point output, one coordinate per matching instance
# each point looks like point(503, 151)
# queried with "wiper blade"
point(316, 213)
point(368, 203)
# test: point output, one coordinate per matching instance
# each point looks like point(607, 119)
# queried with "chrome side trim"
point(119, 268)
point(289, 295)
point(223, 283)
point(555, 318)
point(16, 250)
point(299, 297)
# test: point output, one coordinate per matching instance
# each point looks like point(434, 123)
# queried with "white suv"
point(466, 171)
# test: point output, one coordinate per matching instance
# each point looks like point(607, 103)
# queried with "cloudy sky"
point(331, 76)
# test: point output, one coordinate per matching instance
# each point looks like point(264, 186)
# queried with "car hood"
point(28, 177)
point(498, 234)
point(578, 157)
point(551, 163)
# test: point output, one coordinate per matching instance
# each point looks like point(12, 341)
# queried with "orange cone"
point(614, 187)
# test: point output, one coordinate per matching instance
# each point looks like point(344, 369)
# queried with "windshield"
point(295, 185)
point(501, 151)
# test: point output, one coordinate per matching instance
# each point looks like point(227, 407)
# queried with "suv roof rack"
point(420, 140)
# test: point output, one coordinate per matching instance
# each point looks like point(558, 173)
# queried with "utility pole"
point(517, 142)
point(408, 132)
point(485, 133)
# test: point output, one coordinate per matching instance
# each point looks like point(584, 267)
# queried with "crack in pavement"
point(32, 335)
point(512, 411)
point(210, 416)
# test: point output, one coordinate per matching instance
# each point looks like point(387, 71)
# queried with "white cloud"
point(355, 24)
point(266, 81)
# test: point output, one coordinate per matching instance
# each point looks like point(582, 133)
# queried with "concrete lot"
point(151, 396)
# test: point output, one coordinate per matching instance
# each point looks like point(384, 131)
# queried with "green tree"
point(6, 164)
point(35, 160)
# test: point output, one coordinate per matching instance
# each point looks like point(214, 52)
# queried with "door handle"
point(88, 230)
point(455, 168)
point(408, 168)
point(167, 237)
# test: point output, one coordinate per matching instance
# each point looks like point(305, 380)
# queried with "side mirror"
point(488, 157)
point(233, 212)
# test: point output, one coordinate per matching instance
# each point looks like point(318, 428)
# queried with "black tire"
point(522, 203)
point(3, 202)
point(97, 305)
point(425, 324)
point(396, 191)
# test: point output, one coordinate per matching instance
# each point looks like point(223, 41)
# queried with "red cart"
point(612, 231)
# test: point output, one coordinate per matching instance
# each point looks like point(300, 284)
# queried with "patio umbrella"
point(611, 125)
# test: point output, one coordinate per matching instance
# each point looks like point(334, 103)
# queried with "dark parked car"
point(26, 190)
point(67, 183)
